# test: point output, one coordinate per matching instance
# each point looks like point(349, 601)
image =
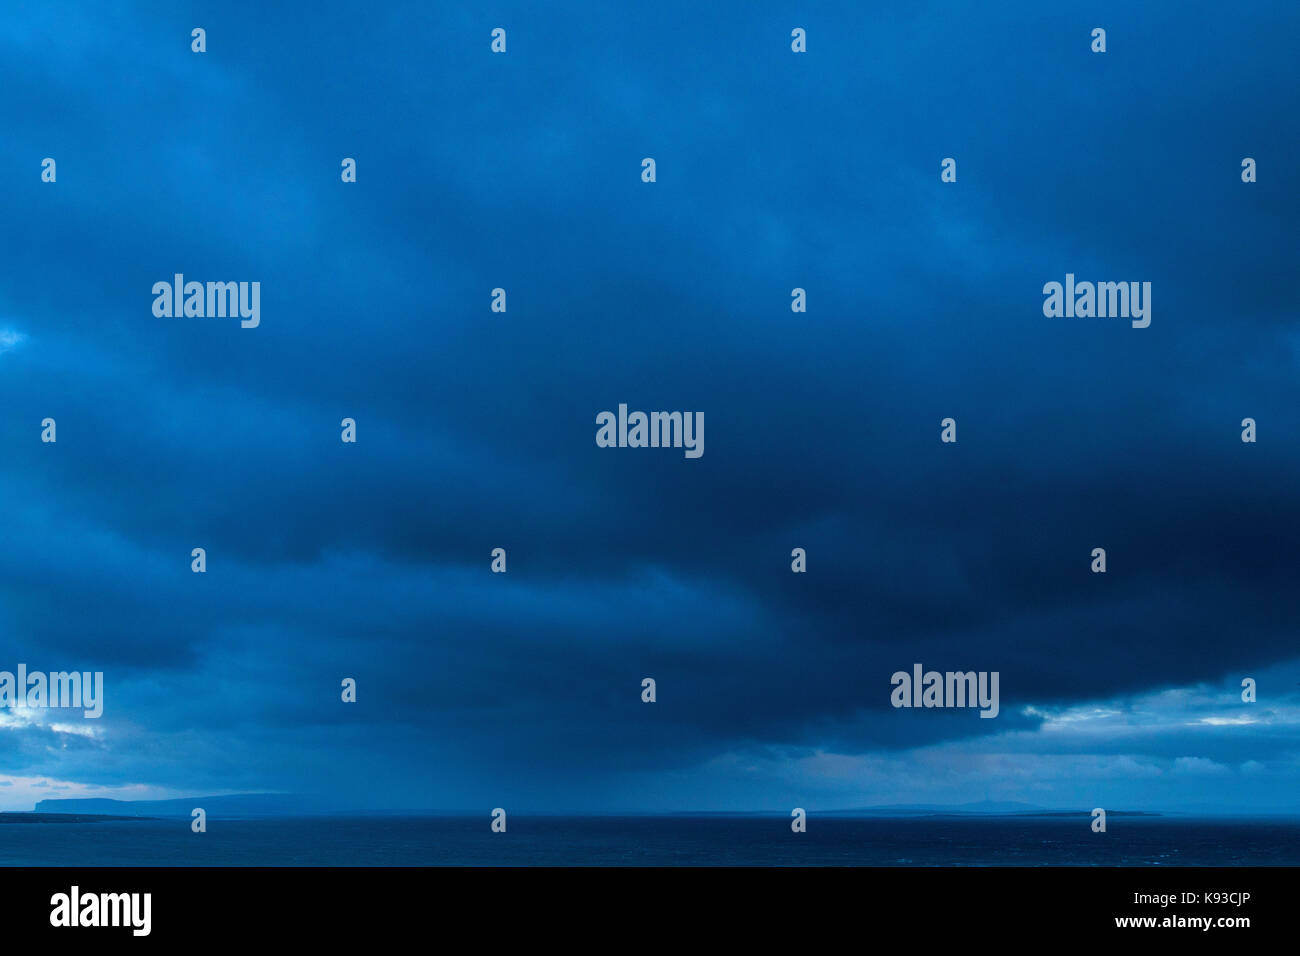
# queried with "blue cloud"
point(476, 428)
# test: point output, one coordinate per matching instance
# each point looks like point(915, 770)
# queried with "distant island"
point(1006, 808)
point(259, 805)
point(226, 806)
point(20, 816)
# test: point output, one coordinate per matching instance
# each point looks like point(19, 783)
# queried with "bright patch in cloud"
point(10, 338)
point(21, 793)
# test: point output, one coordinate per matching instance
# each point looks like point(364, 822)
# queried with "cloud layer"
point(476, 429)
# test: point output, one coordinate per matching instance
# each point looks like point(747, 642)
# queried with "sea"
point(674, 840)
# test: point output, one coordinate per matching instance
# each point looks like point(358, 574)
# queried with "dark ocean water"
point(655, 841)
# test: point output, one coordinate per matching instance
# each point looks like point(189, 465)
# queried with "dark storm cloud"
point(476, 429)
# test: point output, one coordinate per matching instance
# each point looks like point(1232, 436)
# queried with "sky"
point(476, 429)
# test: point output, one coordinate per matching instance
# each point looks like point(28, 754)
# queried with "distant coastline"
point(25, 816)
point(279, 805)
